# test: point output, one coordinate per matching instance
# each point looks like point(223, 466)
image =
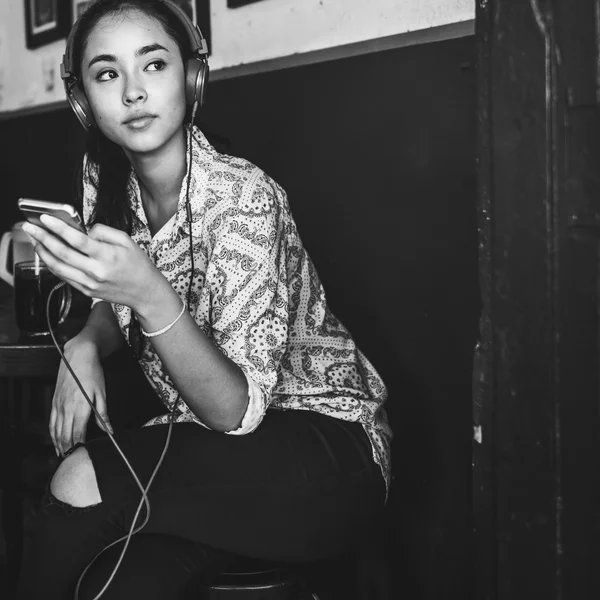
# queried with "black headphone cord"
point(144, 500)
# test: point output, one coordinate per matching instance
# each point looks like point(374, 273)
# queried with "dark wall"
point(377, 153)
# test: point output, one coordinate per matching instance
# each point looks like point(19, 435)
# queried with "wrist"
point(151, 296)
point(156, 333)
point(83, 343)
point(159, 310)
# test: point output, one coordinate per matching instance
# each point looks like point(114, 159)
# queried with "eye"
point(106, 75)
point(156, 65)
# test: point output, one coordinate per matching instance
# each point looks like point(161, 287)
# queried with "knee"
point(75, 480)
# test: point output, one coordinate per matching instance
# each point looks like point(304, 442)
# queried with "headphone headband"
point(196, 68)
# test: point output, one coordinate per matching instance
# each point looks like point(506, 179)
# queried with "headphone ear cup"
point(196, 76)
point(80, 105)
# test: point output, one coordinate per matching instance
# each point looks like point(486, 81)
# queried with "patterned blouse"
point(256, 295)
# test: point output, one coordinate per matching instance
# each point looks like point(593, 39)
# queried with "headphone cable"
point(144, 500)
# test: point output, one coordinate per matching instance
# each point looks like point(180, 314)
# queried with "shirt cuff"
point(255, 410)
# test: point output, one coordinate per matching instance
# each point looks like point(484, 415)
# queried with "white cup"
point(17, 241)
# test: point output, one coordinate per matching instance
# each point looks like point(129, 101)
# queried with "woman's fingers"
point(52, 428)
point(103, 421)
point(66, 263)
point(68, 426)
point(107, 264)
point(74, 425)
point(72, 404)
point(73, 276)
point(73, 237)
point(57, 246)
point(67, 433)
point(78, 429)
point(58, 432)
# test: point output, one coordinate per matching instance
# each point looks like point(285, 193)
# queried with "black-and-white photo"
point(45, 21)
point(238, 3)
point(44, 14)
point(78, 8)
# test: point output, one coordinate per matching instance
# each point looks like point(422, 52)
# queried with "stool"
point(250, 579)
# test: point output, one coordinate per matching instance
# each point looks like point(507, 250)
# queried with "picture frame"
point(77, 8)
point(45, 22)
point(238, 3)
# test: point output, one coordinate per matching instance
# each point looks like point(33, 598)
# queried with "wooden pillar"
point(536, 451)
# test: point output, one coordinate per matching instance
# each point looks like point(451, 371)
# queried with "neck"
point(160, 173)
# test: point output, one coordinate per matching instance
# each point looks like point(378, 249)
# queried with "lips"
point(139, 119)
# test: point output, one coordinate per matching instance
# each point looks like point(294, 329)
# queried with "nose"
point(134, 91)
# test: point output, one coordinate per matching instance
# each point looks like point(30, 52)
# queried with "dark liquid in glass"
point(31, 296)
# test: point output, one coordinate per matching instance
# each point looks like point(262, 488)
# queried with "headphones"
point(196, 69)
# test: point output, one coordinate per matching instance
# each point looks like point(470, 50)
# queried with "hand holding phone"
point(33, 209)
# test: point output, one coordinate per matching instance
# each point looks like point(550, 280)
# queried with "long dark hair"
point(108, 167)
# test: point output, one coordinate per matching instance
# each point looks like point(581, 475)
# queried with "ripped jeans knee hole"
point(49, 499)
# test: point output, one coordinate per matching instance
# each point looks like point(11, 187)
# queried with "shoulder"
point(237, 187)
point(224, 170)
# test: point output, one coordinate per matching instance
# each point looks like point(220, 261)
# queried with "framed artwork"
point(45, 21)
point(238, 3)
point(77, 8)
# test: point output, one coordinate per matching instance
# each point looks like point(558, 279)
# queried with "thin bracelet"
point(166, 327)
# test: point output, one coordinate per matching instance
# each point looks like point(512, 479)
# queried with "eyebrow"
point(139, 52)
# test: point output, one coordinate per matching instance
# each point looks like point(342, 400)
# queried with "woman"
point(280, 444)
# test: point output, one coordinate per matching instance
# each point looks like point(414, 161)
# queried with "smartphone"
point(33, 209)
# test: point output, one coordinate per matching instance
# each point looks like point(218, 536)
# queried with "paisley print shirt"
point(256, 295)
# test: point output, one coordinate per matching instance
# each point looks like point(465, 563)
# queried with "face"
point(134, 79)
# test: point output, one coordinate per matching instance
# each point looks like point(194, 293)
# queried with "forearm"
point(101, 330)
point(212, 385)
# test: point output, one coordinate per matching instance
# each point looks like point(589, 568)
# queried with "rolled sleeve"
point(255, 410)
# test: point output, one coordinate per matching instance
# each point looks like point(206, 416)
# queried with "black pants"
point(303, 486)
